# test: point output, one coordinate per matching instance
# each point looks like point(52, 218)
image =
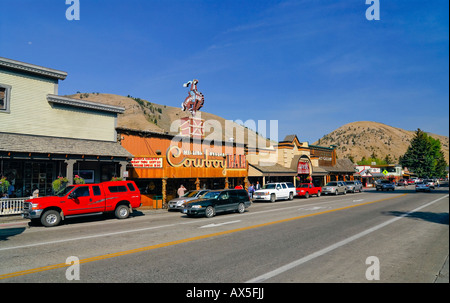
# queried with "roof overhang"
point(33, 69)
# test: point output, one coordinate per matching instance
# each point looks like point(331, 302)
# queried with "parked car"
point(308, 189)
point(430, 183)
point(216, 201)
point(118, 197)
point(275, 191)
point(410, 181)
point(178, 203)
point(334, 187)
point(421, 186)
point(402, 182)
point(385, 185)
point(354, 186)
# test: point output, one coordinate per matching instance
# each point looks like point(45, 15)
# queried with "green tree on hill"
point(424, 156)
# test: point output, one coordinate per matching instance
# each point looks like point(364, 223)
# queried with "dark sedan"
point(217, 201)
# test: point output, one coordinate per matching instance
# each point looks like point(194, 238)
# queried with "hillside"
point(144, 115)
point(364, 138)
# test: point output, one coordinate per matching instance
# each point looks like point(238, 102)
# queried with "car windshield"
point(65, 191)
point(269, 186)
point(211, 195)
point(385, 181)
point(350, 182)
point(332, 184)
point(191, 193)
point(304, 185)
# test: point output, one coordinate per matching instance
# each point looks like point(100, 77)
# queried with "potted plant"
point(59, 183)
point(116, 179)
point(4, 185)
point(78, 180)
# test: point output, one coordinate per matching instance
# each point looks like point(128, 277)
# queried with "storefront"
point(163, 162)
point(34, 162)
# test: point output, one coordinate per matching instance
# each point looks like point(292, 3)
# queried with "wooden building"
point(44, 135)
point(162, 162)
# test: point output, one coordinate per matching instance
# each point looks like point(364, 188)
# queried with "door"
point(223, 202)
point(79, 201)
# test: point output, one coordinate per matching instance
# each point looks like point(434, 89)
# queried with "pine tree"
point(424, 156)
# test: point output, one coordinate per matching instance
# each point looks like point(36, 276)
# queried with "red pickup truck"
point(120, 197)
point(308, 189)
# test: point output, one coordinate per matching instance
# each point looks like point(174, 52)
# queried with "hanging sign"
point(303, 168)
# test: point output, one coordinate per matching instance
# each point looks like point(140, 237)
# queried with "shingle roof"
point(53, 145)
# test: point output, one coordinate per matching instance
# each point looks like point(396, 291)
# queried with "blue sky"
point(313, 65)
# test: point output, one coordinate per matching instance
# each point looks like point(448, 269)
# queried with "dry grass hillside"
point(365, 138)
point(144, 115)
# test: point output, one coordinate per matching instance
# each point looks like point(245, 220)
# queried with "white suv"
point(275, 191)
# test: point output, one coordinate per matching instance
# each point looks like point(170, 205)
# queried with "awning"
point(29, 144)
point(272, 170)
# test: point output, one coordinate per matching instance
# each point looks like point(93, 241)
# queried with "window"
point(5, 92)
point(131, 186)
point(97, 191)
point(117, 189)
point(82, 191)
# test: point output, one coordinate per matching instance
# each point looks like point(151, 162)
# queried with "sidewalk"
point(16, 221)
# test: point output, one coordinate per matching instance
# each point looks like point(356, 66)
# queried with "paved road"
point(399, 236)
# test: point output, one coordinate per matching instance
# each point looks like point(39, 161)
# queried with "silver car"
point(335, 188)
point(354, 186)
point(421, 186)
point(178, 203)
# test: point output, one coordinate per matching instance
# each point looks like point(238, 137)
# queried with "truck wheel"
point(51, 218)
point(318, 193)
point(306, 195)
point(291, 196)
point(122, 212)
point(273, 198)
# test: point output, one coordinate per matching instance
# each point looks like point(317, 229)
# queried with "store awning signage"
point(151, 162)
point(303, 168)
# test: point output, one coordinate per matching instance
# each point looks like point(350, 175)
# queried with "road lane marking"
point(330, 248)
point(219, 224)
point(161, 245)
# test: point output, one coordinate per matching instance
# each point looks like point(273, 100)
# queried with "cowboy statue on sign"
point(195, 100)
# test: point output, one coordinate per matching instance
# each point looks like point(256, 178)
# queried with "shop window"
point(5, 92)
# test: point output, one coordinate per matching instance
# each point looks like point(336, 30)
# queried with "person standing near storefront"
point(181, 191)
point(251, 190)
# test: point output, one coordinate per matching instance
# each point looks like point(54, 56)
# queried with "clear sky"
point(313, 65)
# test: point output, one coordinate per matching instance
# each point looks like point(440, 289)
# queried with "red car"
point(308, 189)
point(402, 182)
point(120, 197)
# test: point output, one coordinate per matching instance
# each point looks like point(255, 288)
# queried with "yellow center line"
point(151, 247)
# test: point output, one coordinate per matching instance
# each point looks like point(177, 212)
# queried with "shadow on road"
point(440, 218)
point(10, 232)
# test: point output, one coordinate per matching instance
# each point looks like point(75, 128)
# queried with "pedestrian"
point(257, 187)
point(181, 191)
point(251, 190)
point(35, 192)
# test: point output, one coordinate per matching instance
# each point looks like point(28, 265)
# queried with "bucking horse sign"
point(195, 100)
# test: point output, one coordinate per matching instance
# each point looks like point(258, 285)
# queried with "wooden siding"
point(154, 146)
point(31, 113)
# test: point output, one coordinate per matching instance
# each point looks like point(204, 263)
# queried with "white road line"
point(322, 252)
point(219, 224)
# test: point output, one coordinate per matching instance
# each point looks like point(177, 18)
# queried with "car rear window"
point(117, 189)
point(131, 187)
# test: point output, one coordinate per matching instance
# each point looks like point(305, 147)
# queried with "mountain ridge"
point(366, 138)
